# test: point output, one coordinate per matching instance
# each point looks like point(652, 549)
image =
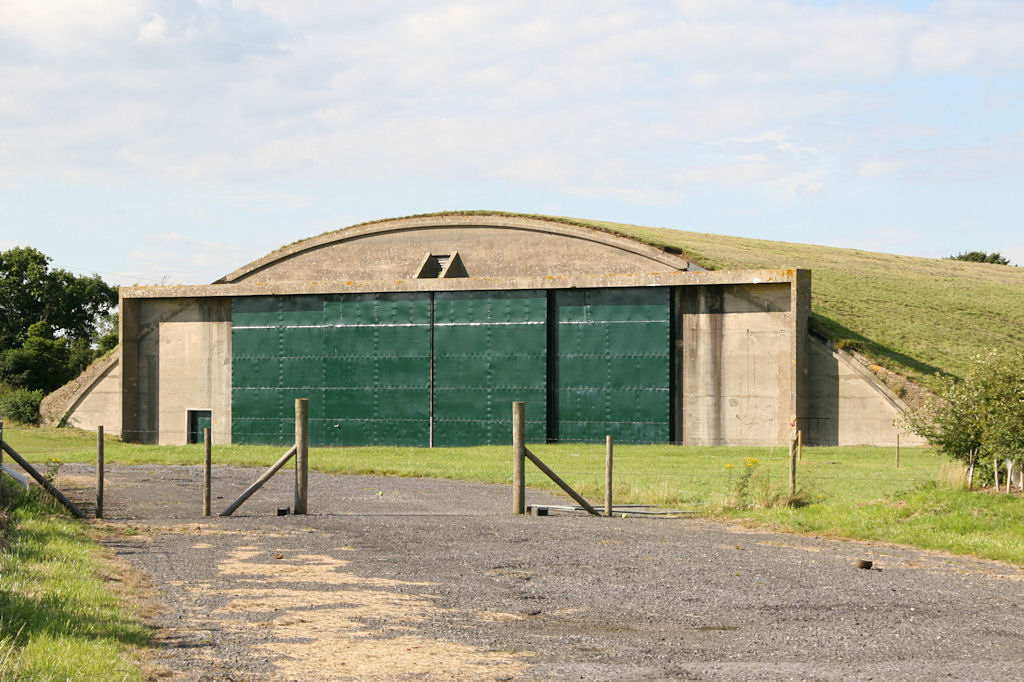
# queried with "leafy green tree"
point(980, 415)
point(51, 321)
point(30, 292)
point(982, 257)
point(107, 333)
point(1000, 381)
point(42, 362)
point(951, 421)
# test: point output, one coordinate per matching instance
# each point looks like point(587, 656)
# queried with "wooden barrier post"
point(207, 463)
point(301, 454)
point(792, 468)
point(518, 458)
point(608, 475)
point(799, 446)
point(897, 451)
point(41, 480)
point(267, 475)
point(99, 472)
point(560, 483)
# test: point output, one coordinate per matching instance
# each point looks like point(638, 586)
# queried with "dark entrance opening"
point(197, 421)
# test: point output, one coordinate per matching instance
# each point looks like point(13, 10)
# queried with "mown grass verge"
point(853, 492)
point(978, 523)
point(59, 617)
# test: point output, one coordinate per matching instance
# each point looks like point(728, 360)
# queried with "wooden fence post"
point(792, 468)
point(99, 472)
point(207, 463)
point(518, 458)
point(258, 483)
point(608, 475)
point(301, 454)
point(897, 451)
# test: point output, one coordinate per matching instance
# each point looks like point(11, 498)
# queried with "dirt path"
point(392, 578)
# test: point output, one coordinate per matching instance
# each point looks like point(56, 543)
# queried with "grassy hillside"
point(915, 316)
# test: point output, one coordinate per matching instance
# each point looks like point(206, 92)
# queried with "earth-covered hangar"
point(421, 331)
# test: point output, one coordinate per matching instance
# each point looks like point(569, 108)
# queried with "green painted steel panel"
point(258, 342)
point(490, 349)
point(613, 364)
point(362, 360)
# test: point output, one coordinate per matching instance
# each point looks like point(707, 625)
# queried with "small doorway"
point(197, 421)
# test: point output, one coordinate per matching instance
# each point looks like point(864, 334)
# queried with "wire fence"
point(664, 474)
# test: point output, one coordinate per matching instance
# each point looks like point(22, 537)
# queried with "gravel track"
point(408, 578)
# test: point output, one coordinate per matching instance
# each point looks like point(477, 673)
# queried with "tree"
point(982, 257)
point(31, 292)
point(951, 421)
point(51, 321)
point(979, 415)
point(41, 363)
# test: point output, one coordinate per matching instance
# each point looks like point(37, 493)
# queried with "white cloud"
point(876, 168)
point(172, 258)
point(648, 100)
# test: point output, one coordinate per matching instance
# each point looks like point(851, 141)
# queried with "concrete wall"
point(180, 361)
point(99, 404)
point(488, 246)
point(92, 399)
point(737, 364)
point(848, 405)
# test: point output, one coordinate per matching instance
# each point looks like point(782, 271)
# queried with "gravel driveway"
point(403, 578)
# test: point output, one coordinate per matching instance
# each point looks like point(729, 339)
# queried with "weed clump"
point(754, 488)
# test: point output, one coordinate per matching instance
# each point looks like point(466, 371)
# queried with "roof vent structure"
point(435, 266)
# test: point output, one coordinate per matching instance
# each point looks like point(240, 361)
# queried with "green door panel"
point(490, 349)
point(362, 361)
point(612, 348)
point(198, 422)
point(377, 372)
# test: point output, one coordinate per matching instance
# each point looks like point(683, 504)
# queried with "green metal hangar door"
point(422, 331)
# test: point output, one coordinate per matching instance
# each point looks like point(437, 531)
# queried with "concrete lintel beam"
point(688, 278)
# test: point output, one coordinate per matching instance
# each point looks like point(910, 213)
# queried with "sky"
point(172, 141)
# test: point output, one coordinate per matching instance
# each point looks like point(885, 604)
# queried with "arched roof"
point(488, 244)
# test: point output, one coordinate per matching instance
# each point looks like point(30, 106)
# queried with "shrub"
point(20, 405)
point(850, 345)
